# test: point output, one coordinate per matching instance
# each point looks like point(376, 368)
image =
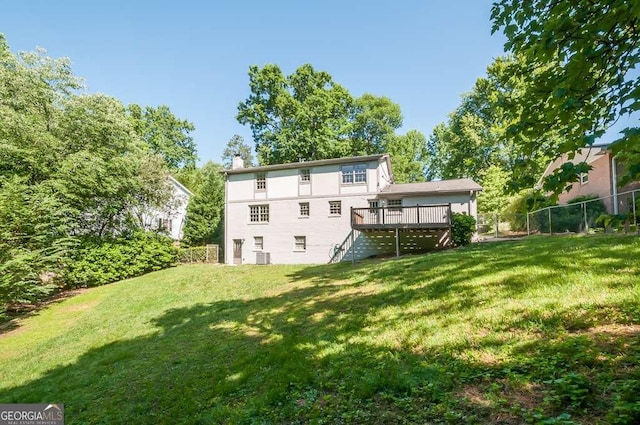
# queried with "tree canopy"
point(72, 166)
point(300, 116)
point(308, 116)
point(476, 136)
point(205, 212)
point(166, 135)
point(237, 145)
point(579, 60)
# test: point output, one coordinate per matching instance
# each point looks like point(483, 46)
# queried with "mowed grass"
point(542, 330)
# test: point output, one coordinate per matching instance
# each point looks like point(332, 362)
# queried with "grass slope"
point(543, 330)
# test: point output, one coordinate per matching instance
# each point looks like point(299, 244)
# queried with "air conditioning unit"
point(263, 258)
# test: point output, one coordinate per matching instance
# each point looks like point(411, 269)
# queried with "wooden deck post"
point(397, 242)
point(353, 248)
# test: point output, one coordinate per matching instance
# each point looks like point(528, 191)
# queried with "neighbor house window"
point(258, 243)
point(335, 207)
point(259, 213)
point(394, 205)
point(164, 224)
point(305, 176)
point(300, 243)
point(356, 173)
point(261, 181)
point(584, 178)
point(304, 209)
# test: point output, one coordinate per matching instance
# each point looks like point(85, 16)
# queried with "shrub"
point(100, 261)
point(571, 218)
point(524, 202)
point(462, 229)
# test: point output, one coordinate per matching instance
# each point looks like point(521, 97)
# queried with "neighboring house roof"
point(180, 186)
point(587, 154)
point(435, 187)
point(308, 164)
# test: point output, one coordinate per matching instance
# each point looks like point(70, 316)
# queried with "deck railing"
point(420, 216)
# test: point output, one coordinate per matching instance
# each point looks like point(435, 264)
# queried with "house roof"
point(587, 154)
point(435, 187)
point(180, 186)
point(308, 164)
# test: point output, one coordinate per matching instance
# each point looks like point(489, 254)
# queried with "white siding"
point(284, 193)
point(175, 211)
point(321, 230)
point(460, 202)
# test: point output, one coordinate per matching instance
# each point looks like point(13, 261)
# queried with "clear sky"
point(194, 55)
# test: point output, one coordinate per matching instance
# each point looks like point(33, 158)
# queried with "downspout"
point(614, 181)
point(226, 218)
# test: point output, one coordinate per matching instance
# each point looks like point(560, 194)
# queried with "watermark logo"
point(32, 414)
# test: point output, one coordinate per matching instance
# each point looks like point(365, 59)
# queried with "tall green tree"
point(578, 76)
point(300, 116)
point(476, 136)
point(494, 197)
point(409, 156)
point(34, 242)
point(237, 146)
point(166, 135)
point(101, 176)
point(373, 124)
point(205, 211)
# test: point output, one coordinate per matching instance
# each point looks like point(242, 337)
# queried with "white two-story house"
point(172, 217)
point(336, 209)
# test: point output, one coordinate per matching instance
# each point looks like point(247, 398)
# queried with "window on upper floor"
point(259, 213)
point(300, 243)
point(261, 181)
point(353, 174)
point(584, 178)
point(335, 208)
point(305, 175)
point(304, 209)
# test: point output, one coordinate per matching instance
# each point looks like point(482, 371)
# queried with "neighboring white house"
point(171, 219)
point(335, 209)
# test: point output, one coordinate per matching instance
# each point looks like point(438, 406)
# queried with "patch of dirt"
point(526, 396)
point(476, 395)
point(613, 330)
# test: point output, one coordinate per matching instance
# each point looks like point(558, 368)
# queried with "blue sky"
point(194, 56)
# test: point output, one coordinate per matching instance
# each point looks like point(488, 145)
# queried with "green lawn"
point(543, 330)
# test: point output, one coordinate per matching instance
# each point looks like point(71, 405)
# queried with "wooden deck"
point(412, 217)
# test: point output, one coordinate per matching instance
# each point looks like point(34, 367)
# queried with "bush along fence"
point(588, 213)
point(200, 254)
point(501, 225)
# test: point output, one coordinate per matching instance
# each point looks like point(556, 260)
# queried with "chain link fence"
point(589, 216)
point(199, 254)
point(586, 216)
point(503, 225)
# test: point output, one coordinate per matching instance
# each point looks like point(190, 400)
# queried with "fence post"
point(206, 254)
point(528, 229)
point(495, 221)
point(635, 217)
point(550, 232)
